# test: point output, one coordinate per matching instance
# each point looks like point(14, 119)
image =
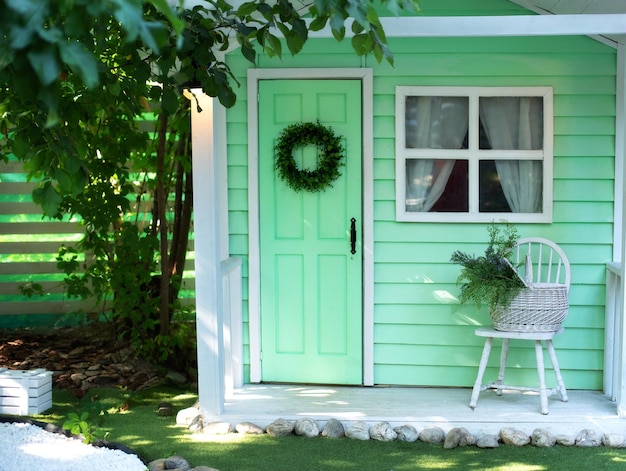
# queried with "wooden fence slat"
point(28, 268)
point(46, 307)
point(12, 167)
point(18, 188)
point(20, 208)
point(13, 288)
point(44, 227)
point(32, 247)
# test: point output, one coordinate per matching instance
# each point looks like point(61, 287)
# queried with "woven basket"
point(536, 309)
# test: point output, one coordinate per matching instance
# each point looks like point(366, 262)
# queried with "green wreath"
point(300, 135)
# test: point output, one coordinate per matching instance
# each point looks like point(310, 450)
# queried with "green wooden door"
point(311, 283)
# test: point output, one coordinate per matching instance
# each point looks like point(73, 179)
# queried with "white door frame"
point(254, 278)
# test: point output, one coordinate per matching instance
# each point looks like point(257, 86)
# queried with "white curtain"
point(516, 123)
point(432, 123)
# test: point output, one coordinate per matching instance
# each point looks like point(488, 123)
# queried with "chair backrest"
point(541, 262)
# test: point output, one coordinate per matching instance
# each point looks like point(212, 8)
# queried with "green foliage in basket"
point(490, 278)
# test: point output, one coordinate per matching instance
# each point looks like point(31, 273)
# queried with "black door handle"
point(352, 236)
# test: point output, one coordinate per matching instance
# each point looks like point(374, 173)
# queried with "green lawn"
point(132, 420)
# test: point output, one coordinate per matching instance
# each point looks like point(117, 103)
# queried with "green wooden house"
point(353, 285)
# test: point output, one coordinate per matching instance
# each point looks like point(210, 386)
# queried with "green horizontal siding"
point(420, 339)
point(503, 45)
point(460, 8)
point(585, 167)
point(482, 64)
point(584, 146)
point(584, 125)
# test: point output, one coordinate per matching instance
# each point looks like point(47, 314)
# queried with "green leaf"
point(337, 23)
point(51, 35)
point(245, 30)
point(170, 100)
point(318, 23)
point(209, 86)
point(284, 29)
point(357, 28)
point(21, 148)
point(339, 34)
point(265, 10)
point(387, 53)
point(114, 88)
point(130, 15)
point(45, 64)
point(372, 16)
point(295, 43)
point(246, 9)
point(299, 27)
point(50, 98)
point(20, 37)
point(379, 34)
point(174, 20)
point(149, 37)
point(81, 61)
point(28, 8)
point(394, 7)
point(358, 44)
point(378, 53)
point(323, 5)
point(357, 10)
point(225, 93)
point(48, 198)
point(66, 182)
point(274, 44)
point(248, 51)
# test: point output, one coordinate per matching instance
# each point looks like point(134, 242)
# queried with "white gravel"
point(26, 447)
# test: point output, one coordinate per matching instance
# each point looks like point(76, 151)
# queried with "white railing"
point(612, 330)
point(233, 336)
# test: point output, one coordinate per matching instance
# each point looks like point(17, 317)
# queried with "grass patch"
point(131, 419)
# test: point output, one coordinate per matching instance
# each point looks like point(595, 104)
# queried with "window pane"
point(490, 196)
point(436, 185)
point(512, 123)
point(436, 122)
point(511, 186)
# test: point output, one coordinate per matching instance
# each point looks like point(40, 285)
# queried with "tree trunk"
point(183, 210)
point(161, 200)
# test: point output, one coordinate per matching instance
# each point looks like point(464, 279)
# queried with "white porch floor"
point(422, 407)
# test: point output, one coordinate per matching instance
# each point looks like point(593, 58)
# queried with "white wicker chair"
point(536, 314)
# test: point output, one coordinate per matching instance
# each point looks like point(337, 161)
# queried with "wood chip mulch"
point(79, 357)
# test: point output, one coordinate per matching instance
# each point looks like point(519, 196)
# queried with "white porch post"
point(206, 201)
point(620, 217)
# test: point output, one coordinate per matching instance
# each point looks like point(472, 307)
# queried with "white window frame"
point(473, 154)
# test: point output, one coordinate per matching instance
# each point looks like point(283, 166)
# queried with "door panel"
point(311, 285)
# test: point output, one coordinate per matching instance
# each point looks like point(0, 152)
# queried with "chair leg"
point(543, 393)
point(557, 371)
point(481, 371)
point(504, 355)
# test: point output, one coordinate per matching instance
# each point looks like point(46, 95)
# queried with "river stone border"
point(382, 431)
